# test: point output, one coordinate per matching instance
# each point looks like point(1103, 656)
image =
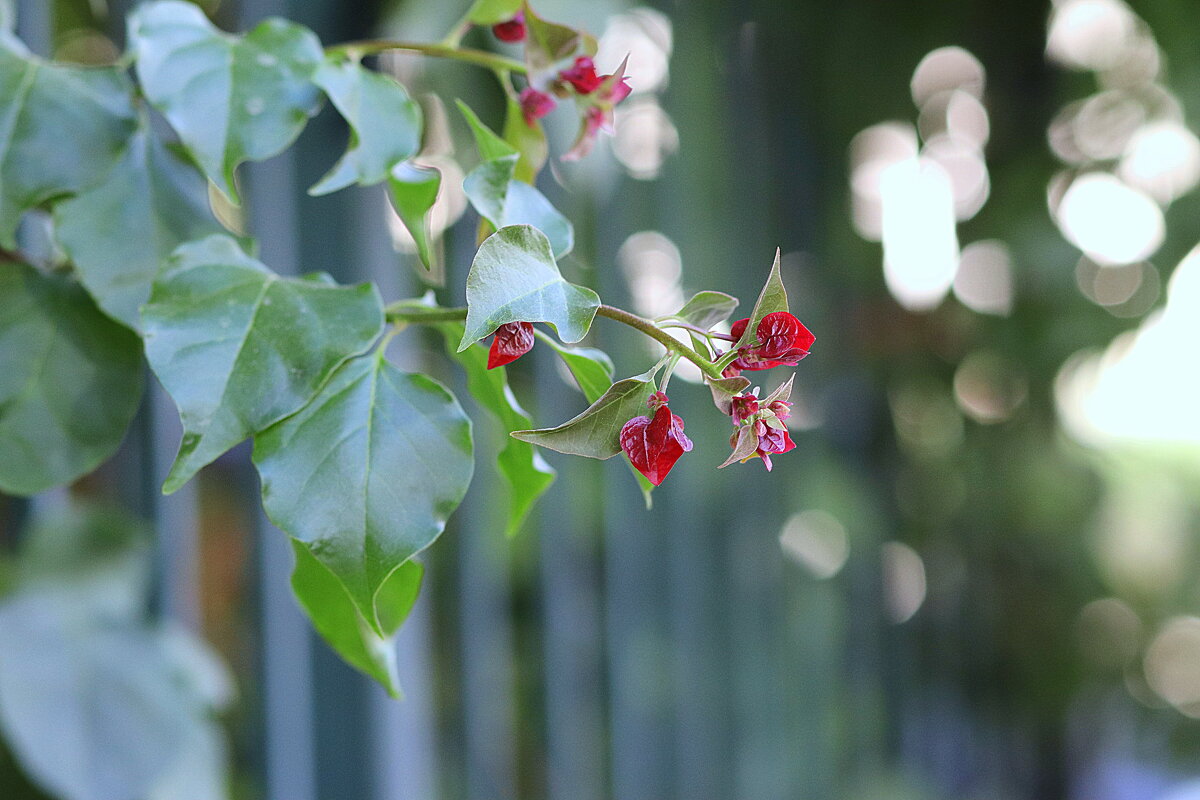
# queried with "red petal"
point(738, 328)
point(512, 341)
point(582, 76)
point(511, 31)
point(654, 445)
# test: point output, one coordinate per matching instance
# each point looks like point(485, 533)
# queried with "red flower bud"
point(582, 76)
point(782, 341)
point(744, 406)
point(535, 104)
point(654, 444)
point(773, 440)
point(512, 341)
point(511, 31)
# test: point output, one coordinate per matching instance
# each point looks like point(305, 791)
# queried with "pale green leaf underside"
point(230, 98)
point(61, 129)
point(385, 124)
point(706, 309)
point(337, 619)
point(238, 348)
point(514, 278)
point(70, 381)
point(503, 201)
point(413, 190)
point(524, 471)
point(119, 232)
point(595, 433)
point(367, 473)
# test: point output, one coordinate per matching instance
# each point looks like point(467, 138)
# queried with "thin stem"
point(700, 331)
point(662, 337)
point(480, 58)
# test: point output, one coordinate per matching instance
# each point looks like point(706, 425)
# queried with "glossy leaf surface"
point(367, 473)
point(119, 232)
point(230, 98)
point(70, 381)
point(239, 348)
point(385, 124)
point(61, 129)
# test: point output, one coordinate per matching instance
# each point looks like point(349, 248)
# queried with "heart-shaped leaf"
point(70, 381)
point(367, 473)
point(524, 470)
point(230, 98)
point(413, 190)
point(772, 298)
point(85, 113)
point(514, 278)
point(239, 348)
point(596, 433)
point(385, 124)
point(706, 309)
point(119, 232)
point(338, 620)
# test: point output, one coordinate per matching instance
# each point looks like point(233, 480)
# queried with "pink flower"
point(654, 444)
point(598, 108)
point(782, 341)
point(759, 428)
point(512, 30)
point(512, 341)
point(582, 76)
point(535, 104)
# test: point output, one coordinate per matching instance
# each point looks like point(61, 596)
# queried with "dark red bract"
point(771, 440)
point(782, 341)
point(582, 75)
point(654, 444)
point(535, 104)
point(511, 31)
point(512, 341)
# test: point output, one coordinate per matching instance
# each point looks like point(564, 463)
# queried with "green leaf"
point(119, 232)
point(745, 446)
point(549, 45)
point(490, 146)
point(489, 12)
point(92, 712)
point(385, 124)
point(239, 348)
point(772, 298)
point(724, 390)
point(230, 98)
point(596, 432)
point(70, 381)
point(367, 473)
point(338, 620)
point(707, 309)
point(413, 191)
point(525, 472)
point(529, 140)
point(592, 368)
point(503, 201)
point(514, 278)
point(61, 129)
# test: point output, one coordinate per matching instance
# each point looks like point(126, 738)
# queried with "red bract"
point(760, 431)
point(771, 440)
point(582, 75)
point(511, 31)
point(535, 104)
point(512, 341)
point(782, 341)
point(654, 444)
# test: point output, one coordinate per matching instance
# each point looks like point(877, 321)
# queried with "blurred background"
point(975, 577)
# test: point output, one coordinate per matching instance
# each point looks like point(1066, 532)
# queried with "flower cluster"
point(653, 444)
point(759, 426)
point(782, 341)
